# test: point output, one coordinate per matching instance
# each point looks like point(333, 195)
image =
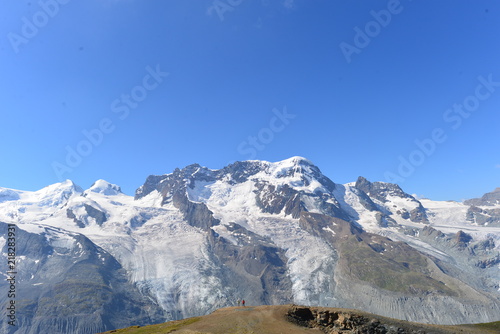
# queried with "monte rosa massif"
point(198, 239)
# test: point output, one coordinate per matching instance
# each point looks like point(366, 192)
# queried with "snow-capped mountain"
point(271, 233)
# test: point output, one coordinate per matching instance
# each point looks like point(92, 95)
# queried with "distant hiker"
point(239, 302)
point(243, 302)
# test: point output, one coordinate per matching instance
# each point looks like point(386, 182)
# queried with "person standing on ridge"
point(243, 302)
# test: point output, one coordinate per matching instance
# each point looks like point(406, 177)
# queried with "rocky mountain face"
point(74, 286)
point(198, 239)
point(488, 199)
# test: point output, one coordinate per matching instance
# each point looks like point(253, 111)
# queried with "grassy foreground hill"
point(293, 319)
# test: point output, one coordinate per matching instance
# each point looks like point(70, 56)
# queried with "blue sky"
point(403, 91)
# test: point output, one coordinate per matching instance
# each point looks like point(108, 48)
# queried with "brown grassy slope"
point(276, 320)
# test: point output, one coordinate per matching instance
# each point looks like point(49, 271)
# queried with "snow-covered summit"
point(56, 194)
point(291, 166)
point(296, 160)
point(29, 206)
point(260, 183)
point(284, 164)
point(105, 188)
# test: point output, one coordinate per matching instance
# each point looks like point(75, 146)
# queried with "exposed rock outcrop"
point(491, 198)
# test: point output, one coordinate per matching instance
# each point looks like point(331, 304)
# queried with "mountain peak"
point(105, 188)
point(64, 186)
point(297, 172)
point(57, 193)
point(296, 160)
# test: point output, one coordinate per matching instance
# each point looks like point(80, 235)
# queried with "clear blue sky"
point(361, 82)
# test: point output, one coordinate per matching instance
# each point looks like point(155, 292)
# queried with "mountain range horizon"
point(497, 189)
